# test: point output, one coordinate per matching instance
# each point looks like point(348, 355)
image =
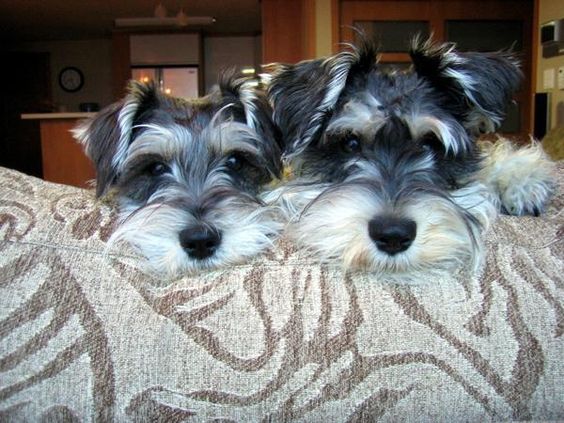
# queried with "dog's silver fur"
point(178, 166)
point(370, 149)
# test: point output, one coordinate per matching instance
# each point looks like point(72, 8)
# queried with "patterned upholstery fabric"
point(86, 336)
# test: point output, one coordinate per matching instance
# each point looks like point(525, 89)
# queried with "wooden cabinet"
point(287, 30)
point(63, 159)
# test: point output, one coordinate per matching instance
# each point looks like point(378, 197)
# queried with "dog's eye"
point(431, 142)
point(235, 162)
point(157, 168)
point(351, 145)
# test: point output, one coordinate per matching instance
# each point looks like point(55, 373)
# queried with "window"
point(393, 36)
point(491, 35)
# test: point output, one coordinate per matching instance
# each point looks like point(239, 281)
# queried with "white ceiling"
point(33, 20)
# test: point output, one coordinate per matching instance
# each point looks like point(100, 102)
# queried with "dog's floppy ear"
point(107, 136)
point(248, 103)
point(478, 86)
point(305, 94)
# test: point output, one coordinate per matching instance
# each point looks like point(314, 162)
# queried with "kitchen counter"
point(62, 157)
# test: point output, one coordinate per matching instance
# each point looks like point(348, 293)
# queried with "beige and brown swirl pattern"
point(86, 336)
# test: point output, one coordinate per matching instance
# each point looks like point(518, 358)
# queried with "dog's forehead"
point(395, 105)
point(194, 114)
point(370, 102)
point(201, 130)
point(397, 93)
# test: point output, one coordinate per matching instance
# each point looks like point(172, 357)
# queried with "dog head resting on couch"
point(389, 175)
point(188, 173)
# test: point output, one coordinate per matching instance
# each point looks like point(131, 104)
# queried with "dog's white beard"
point(333, 225)
point(153, 231)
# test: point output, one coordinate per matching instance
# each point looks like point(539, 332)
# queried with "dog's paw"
point(528, 197)
point(521, 178)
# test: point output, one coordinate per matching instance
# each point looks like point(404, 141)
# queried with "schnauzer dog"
point(188, 174)
point(389, 175)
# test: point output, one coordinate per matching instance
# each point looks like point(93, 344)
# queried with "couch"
point(85, 335)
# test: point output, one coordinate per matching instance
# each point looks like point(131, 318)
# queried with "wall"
point(165, 49)
point(551, 10)
point(223, 52)
point(92, 57)
point(324, 43)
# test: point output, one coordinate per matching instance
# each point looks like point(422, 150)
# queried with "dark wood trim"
point(201, 66)
point(121, 63)
point(309, 29)
point(335, 25)
point(535, 41)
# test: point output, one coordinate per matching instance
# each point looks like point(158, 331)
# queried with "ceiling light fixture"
point(162, 20)
point(182, 18)
point(154, 22)
point(160, 11)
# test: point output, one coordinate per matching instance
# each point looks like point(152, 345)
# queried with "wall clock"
point(71, 79)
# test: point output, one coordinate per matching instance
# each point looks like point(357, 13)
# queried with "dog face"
point(188, 173)
point(386, 161)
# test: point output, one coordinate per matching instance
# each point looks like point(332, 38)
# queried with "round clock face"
point(71, 79)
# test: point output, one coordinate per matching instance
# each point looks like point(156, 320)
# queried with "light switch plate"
point(548, 79)
point(560, 77)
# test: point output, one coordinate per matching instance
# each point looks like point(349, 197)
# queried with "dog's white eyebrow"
point(125, 122)
point(360, 116)
point(224, 134)
point(231, 136)
point(216, 119)
point(167, 142)
point(420, 125)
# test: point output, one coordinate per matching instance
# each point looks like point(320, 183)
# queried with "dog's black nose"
point(392, 235)
point(200, 242)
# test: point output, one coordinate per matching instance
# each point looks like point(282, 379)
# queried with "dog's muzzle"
point(200, 242)
point(392, 235)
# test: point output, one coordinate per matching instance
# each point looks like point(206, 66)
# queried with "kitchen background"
point(110, 42)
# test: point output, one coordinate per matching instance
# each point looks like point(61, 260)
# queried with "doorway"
point(27, 89)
